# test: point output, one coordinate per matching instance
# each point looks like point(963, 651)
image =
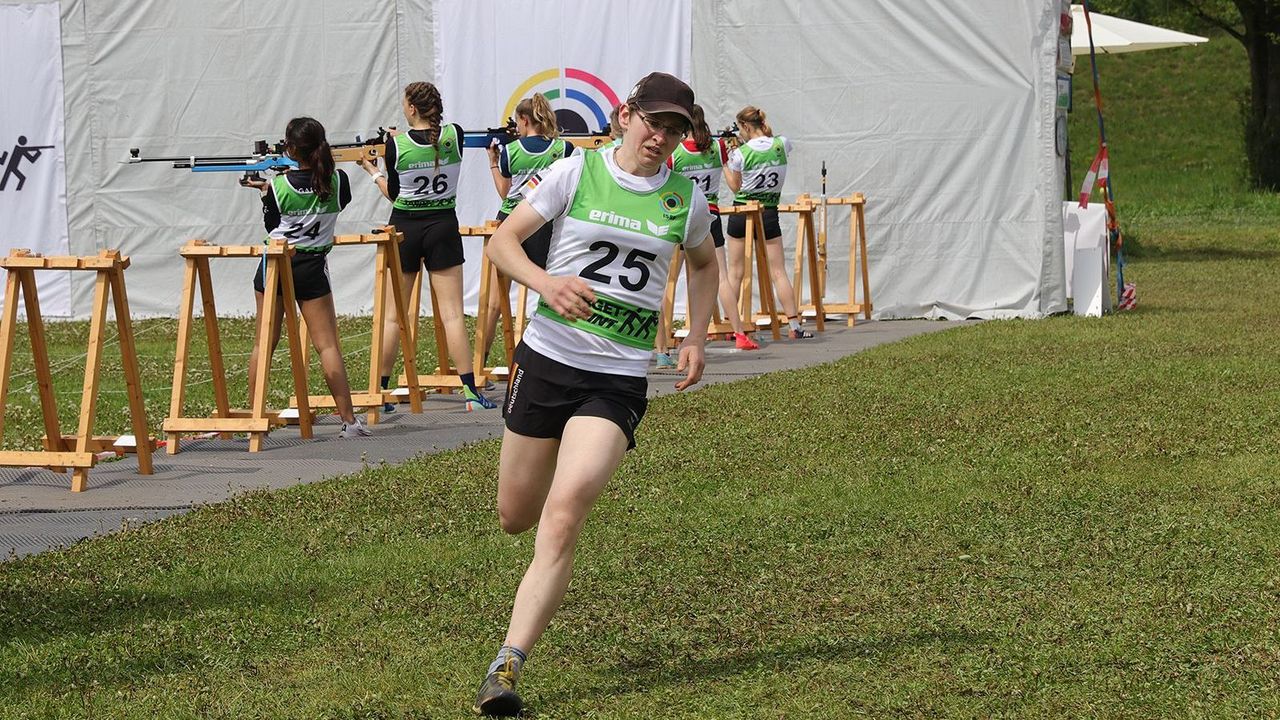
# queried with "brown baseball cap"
point(659, 92)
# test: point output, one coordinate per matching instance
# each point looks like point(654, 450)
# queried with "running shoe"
point(388, 407)
point(354, 429)
point(497, 696)
point(664, 360)
point(744, 342)
point(800, 334)
point(475, 398)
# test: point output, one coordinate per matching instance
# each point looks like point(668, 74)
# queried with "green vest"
point(621, 243)
point(428, 177)
point(306, 221)
point(523, 164)
point(763, 173)
point(704, 168)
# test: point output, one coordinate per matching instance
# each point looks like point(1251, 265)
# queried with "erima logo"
point(657, 230)
point(612, 218)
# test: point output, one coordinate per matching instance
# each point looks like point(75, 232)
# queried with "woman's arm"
point(703, 274)
point(568, 295)
point(501, 181)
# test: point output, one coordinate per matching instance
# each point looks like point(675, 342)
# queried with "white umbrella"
point(1117, 35)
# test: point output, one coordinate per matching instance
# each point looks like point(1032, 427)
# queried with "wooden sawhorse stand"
point(857, 259)
point(79, 451)
point(755, 247)
point(257, 420)
point(511, 327)
point(386, 265)
point(666, 319)
point(807, 247)
point(445, 379)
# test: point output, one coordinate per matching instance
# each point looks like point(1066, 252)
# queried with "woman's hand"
point(493, 152)
point(256, 182)
point(568, 295)
point(369, 166)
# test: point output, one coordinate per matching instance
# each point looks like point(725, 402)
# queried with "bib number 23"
point(636, 260)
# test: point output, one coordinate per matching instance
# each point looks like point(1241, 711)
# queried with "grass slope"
point(1056, 518)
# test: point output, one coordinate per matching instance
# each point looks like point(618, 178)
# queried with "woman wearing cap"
point(512, 165)
point(578, 387)
point(756, 171)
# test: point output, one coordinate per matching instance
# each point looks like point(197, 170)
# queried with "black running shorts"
point(537, 245)
point(542, 394)
point(430, 237)
point(738, 223)
point(717, 230)
point(310, 276)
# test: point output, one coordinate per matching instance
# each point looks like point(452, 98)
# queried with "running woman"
point(577, 389)
point(421, 181)
point(756, 171)
point(512, 165)
point(701, 158)
point(302, 206)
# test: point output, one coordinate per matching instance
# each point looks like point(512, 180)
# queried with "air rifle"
point(266, 157)
point(508, 133)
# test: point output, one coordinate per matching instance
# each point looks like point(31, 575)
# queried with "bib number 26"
point(636, 260)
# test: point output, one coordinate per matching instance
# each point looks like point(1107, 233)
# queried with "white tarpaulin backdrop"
point(941, 112)
point(584, 73)
point(33, 195)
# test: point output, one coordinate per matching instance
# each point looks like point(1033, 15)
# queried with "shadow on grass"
point(158, 629)
point(633, 677)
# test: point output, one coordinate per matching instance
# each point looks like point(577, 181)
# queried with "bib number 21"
point(635, 260)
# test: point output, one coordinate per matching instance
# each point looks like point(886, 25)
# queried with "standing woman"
point(302, 206)
point(512, 165)
point(701, 158)
point(577, 389)
point(421, 182)
point(756, 171)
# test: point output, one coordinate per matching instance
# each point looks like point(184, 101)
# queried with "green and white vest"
point(306, 221)
point(428, 178)
point(523, 164)
point(621, 243)
point(704, 169)
point(763, 173)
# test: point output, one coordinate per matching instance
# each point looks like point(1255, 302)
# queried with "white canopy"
point(1117, 35)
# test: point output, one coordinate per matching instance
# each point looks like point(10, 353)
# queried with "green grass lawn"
point(1060, 518)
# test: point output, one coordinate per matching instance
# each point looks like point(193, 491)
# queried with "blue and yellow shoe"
point(474, 397)
point(497, 696)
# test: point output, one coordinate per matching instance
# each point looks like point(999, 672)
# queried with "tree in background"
point(1256, 24)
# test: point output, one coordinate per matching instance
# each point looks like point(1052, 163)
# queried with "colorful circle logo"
point(672, 201)
point(581, 100)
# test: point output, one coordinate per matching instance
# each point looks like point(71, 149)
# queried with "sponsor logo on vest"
point(609, 217)
point(657, 230)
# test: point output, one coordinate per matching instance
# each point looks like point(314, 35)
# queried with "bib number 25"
point(636, 260)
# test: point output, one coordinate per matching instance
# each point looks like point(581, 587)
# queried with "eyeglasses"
point(677, 131)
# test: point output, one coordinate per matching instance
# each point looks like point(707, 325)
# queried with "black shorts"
point(738, 223)
point(717, 230)
point(310, 276)
point(542, 395)
point(537, 245)
point(430, 237)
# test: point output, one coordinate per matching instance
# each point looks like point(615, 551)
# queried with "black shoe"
point(800, 334)
point(497, 696)
point(388, 407)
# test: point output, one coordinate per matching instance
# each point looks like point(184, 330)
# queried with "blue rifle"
point(265, 157)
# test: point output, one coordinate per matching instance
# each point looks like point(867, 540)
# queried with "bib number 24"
point(635, 260)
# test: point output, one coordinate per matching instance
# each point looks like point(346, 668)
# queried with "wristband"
point(493, 167)
point(374, 177)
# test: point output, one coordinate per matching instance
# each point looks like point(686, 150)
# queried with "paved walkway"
point(38, 511)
